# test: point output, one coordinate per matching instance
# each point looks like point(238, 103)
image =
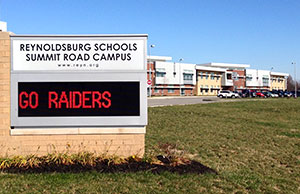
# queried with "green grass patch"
point(297, 135)
point(253, 145)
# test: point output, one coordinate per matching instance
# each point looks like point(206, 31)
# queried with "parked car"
point(293, 93)
point(270, 95)
point(227, 94)
point(278, 92)
point(267, 94)
point(253, 93)
point(260, 94)
point(248, 93)
point(287, 94)
point(244, 94)
point(239, 93)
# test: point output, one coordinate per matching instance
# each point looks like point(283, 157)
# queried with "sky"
point(262, 33)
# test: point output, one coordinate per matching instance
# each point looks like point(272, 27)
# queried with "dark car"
point(268, 94)
point(287, 94)
point(248, 93)
point(278, 92)
point(244, 94)
point(252, 94)
point(293, 93)
point(239, 93)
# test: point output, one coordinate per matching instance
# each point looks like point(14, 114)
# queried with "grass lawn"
point(254, 146)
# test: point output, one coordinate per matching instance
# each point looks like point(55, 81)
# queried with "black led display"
point(71, 99)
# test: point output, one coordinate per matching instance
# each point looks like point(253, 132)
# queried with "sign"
point(78, 53)
point(78, 81)
point(149, 82)
point(42, 99)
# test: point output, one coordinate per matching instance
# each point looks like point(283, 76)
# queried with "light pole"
point(150, 69)
point(271, 80)
point(293, 63)
point(180, 60)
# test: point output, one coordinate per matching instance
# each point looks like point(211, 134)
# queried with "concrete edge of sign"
point(78, 35)
point(77, 131)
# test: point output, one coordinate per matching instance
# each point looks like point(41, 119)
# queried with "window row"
point(206, 75)
point(170, 90)
point(186, 76)
point(212, 86)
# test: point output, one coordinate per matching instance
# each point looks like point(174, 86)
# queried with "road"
point(169, 101)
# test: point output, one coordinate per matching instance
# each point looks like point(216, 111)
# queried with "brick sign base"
point(111, 141)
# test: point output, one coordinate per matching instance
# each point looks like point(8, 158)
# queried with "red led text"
point(28, 99)
point(79, 99)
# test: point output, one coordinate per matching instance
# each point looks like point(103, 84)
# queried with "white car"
point(273, 95)
point(228, 94)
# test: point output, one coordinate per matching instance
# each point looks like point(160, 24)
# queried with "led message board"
point(78, 81)
point(43, 99)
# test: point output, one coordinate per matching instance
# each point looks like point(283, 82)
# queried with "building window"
point(187, 76)
point(160, 74)
point(201, 75)
point(156, 90)
point(212, 76)
point(206, 75)
point(235, 76)
point(229, 76)
point(170, 90)
point(265, 80)
point(249, 77)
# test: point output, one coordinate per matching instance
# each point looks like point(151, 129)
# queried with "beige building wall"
point(208, 83)
point(278, 83)
point(111, 141)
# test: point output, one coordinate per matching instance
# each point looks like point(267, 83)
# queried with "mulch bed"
point(191, 167)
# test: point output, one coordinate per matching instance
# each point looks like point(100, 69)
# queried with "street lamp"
point(150, 69)
point(271, 80)
point(180, 83)
point(293, 63)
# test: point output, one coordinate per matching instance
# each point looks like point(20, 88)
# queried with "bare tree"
point(291, 84)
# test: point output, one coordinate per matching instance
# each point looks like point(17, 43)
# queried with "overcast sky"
point(262, 33)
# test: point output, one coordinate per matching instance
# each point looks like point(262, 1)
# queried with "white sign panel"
point(78, 53)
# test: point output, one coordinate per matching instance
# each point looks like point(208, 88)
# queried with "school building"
point(278, 81)
point(168, 78)
point(209, 80)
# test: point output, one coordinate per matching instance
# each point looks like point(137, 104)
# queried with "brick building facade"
point(239, 80)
